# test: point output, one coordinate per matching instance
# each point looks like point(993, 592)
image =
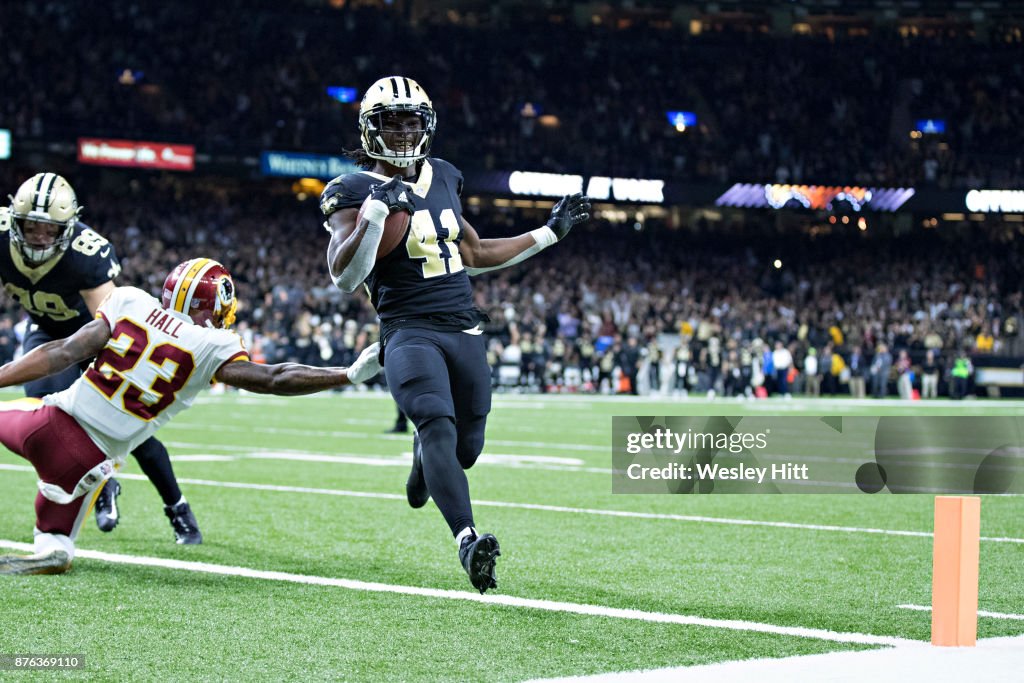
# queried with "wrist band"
point(544, 236)
point(376, 212)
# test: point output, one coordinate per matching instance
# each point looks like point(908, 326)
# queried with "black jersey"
point(51, 293)
point(422, 277)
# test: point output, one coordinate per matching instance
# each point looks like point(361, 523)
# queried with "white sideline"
point(503, 600)
point(992, 660)
point(981, 612)
point(543, 401)
point(551, 508)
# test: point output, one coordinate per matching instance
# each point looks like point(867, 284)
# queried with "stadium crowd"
point(817, 109)
point(670, 310)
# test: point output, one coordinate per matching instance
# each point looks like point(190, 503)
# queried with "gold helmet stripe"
point(186, 285)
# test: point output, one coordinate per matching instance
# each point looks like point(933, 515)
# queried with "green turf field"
point(265, 502)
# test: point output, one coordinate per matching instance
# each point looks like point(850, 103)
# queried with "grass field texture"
point(311, 487)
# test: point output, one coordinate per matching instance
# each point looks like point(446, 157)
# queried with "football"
point(394, 229)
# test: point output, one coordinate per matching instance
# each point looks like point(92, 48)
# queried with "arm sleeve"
point(366, 253)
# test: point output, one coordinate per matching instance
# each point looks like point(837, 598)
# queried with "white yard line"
point(493, 599)
point(981, 612)
point(552, 508)
point(506, 460)
point(993, 660)
point(407, 438)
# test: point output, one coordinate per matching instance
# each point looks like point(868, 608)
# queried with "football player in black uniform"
point(434, 355)
point(60, 271)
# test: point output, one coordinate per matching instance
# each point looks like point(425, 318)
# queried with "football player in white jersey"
point(152, 358)
point(59, 270)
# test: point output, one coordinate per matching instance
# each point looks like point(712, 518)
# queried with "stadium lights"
point(775, 196)
point(929, 127)
point(129, 77)
point(681, 120)
point(341, 93)
point(5, 143)
point(530, 110)
point(995, 201)
point(305, 188)
point(603, 188)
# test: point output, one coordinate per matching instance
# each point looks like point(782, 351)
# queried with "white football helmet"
point(395, 94)
point(44, 198)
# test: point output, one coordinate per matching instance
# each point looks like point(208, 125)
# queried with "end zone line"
point(503, 600)
point(981, 612)
point(550, 508)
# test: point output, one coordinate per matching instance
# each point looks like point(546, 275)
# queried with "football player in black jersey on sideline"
point(434, 355)
point(60, 271)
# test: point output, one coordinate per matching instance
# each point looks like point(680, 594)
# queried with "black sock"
point(156, 463)
point(445, 479)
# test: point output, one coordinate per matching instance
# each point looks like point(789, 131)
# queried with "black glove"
point(395, 195)
point(570, 210)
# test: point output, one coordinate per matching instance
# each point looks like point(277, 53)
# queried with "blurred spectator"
point(904, 375)
point(960, 375)
point(858, 370)
point(812, 382)
point(881, 366)
point(930, 375)
point(782, 361)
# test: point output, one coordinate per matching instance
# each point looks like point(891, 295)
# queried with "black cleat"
point(478, 554)
point(107, 514)
point(54, 562)
point(186, 529)
point(398, 429)
point(416, 485)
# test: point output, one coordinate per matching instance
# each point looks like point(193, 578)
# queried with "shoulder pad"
point(344, 192)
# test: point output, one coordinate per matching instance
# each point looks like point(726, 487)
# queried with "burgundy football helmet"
point(203, 290)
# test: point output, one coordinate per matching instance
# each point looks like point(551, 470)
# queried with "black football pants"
point(441, 380)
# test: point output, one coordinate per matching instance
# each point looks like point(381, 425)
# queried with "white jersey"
point(155, 364)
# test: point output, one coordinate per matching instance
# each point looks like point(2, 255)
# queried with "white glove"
point(366, 366)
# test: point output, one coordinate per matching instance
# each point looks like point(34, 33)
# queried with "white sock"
point(468, 531)
point(179, 502)
point(47, 543)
